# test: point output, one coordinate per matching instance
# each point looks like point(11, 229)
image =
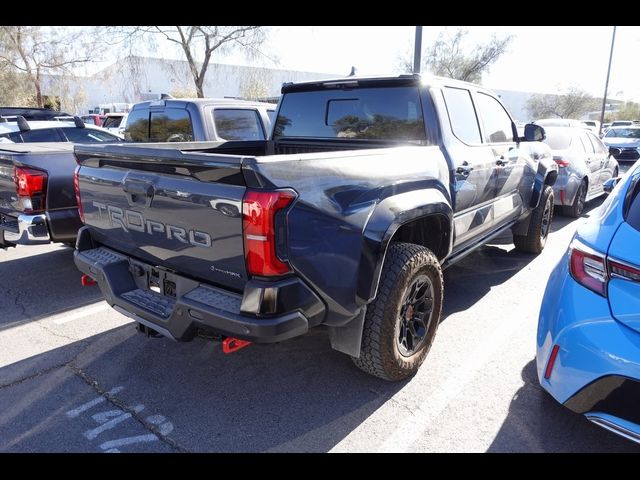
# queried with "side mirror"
point(610, 184)
point(534, 133)
point(614, 152)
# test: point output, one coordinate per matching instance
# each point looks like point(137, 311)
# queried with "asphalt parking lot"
point(75, 376)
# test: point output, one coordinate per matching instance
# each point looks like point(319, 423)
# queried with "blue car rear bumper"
point(597, 369)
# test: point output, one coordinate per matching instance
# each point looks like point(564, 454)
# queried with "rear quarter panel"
point(338, 194)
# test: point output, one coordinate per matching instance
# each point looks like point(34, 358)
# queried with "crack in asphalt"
point(16, 302)
point(85, 377)
point(32, 376)
point(59, 335)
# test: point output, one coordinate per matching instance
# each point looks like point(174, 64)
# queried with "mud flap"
point(348, 338)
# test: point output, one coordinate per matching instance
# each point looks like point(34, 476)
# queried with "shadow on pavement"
point(560, 221)
point(470, 279)
point(295, 396)
point(537, 423)
point(39, 285)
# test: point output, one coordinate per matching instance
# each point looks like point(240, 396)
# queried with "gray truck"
point(199, 119)
point(346, 217)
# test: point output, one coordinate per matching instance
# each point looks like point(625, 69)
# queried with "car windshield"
point(624, 133)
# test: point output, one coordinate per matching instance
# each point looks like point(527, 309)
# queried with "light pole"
point(417, 52)
point(606, 85)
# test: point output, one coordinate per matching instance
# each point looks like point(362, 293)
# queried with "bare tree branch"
point(448, 57)
point(197, 43)
point(36, 51)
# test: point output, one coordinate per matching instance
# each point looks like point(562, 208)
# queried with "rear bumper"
point(597, 370)
point(26, 230)
point(267, 312)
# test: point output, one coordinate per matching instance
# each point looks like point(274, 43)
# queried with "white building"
point(135, 79)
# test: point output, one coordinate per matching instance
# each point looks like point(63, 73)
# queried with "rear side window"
point(496, 120)
point(391, 113)
point(238, 124)
point(588, 144)
point(633, 214)
point(43, 135)
point(462, 115)
point(597, 144)
point(170, 125)
point(14, 137)
point(137, 129)
point(112, 122)
point(88, 135)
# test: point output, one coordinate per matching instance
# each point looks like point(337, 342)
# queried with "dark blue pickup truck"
point(367, 189)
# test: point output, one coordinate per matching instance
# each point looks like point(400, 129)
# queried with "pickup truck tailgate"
point(176, 212)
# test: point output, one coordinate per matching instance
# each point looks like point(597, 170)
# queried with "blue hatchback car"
point(588, 345)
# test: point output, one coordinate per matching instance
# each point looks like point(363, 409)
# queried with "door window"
point(496, 120)
point(462, 115)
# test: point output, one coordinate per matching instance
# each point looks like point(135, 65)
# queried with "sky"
point(539, 59)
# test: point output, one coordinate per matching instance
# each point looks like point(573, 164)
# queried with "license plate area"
point(160, 280)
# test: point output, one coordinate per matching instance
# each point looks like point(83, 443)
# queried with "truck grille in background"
point(628, 154)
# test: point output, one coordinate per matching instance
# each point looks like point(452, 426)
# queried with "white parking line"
point(412, 428)
point(80, 313)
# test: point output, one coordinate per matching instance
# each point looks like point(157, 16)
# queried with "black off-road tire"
point(576, 209)
point(539, 225)
point(380, 355)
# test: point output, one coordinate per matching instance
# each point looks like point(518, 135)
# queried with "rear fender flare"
point(385, 220)
point(546, 174)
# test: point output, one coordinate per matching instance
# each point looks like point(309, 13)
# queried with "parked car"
point(200, 119)
point(588, 341)
point(23, 131)
point(561, 122)
point(627, 140)
point(622, 123)
point(93, 119)
point(37, 199)
point(584, 165)
point(115, 122)
point(594, 125)
point(31, 113)
point(365, 191)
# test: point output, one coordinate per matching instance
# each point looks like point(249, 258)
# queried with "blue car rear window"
point(633, 213)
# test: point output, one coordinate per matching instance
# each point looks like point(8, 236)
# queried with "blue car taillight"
point(593, 269)
point(588, 267)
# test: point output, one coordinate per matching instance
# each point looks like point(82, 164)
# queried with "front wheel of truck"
point(401, 323)
point(539, 225)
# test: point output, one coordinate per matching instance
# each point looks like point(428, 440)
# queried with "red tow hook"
point(87, 281)
point(230, 344)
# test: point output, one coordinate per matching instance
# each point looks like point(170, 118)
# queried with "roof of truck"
point(376, 80)
point(182, 102)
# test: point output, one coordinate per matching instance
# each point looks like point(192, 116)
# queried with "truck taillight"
point(31, 187)
point(76, 187)
point(259, 224)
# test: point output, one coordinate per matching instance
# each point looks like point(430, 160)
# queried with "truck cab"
point(200, 119)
